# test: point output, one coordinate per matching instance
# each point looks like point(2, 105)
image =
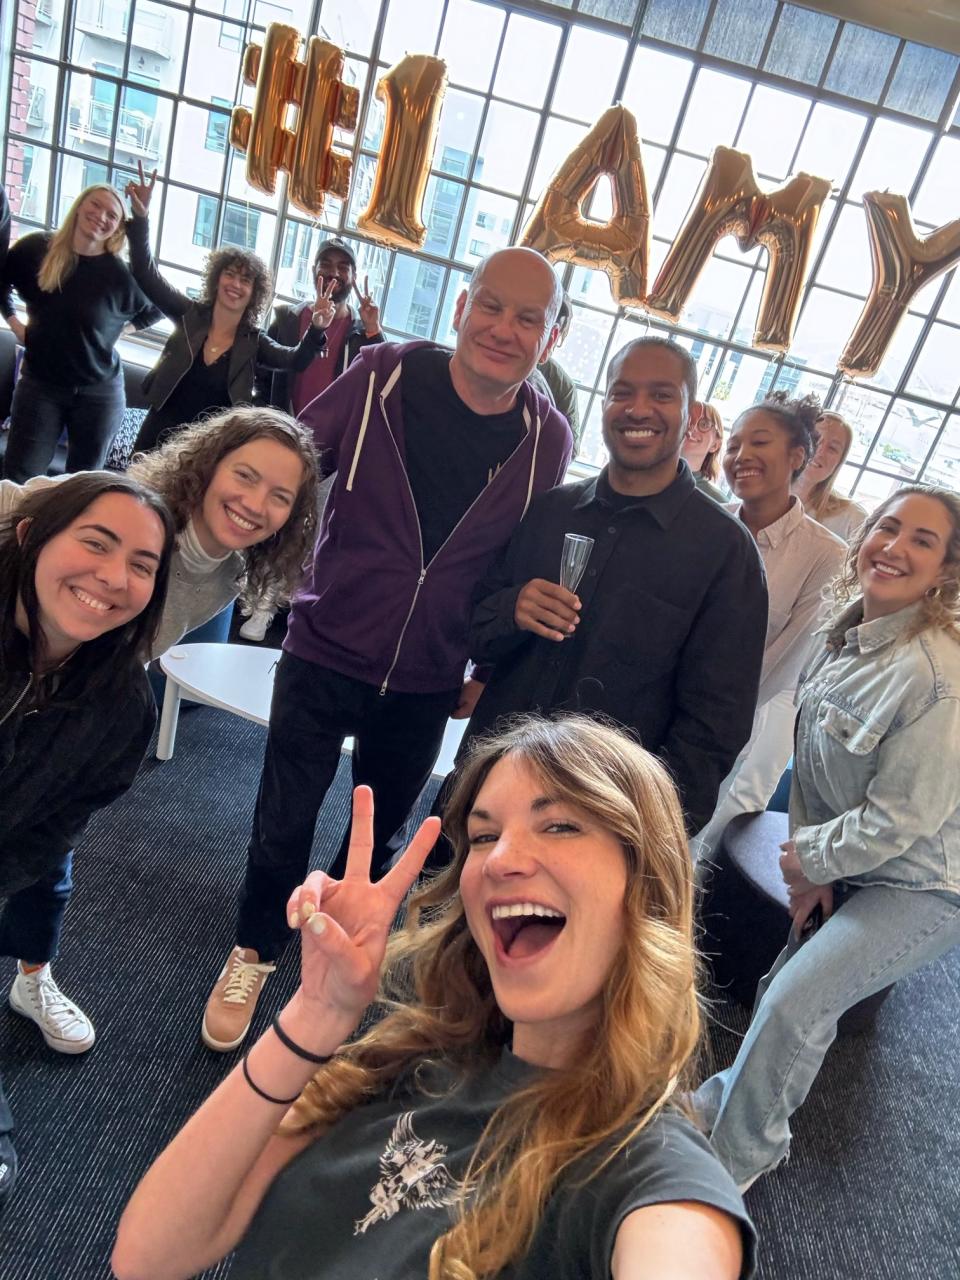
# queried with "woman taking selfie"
point(814, 486)
point(511, 1114)
point(874, 818)
point(79, 296)
point(768, 448)
point(210, 359)
point(83, 571)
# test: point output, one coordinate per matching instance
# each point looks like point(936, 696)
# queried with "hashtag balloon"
point(305, 151)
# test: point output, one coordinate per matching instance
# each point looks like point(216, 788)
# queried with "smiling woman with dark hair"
point(83, 574)
point(766, 452)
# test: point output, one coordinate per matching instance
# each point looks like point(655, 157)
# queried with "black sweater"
point(61, 763)
point(72, 333)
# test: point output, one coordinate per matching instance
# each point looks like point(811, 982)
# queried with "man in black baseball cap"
point(335, 275)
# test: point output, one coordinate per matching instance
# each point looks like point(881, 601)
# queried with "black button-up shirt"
point(672, 625)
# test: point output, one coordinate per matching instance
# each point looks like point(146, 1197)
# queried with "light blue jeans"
point(878, 935)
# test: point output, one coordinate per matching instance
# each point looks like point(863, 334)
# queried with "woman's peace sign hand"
point(344, 924)
point(324, 309)
point(140, 192)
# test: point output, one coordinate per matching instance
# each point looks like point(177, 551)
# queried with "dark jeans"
point(40, 410)
point(31, 920)
point(397, 738)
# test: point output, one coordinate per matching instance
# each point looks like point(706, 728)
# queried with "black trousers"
point(40, 410)
point(397, 738)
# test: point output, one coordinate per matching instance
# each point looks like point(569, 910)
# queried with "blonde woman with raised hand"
point(80, 296)
point(511, 1115)
point(814, 485)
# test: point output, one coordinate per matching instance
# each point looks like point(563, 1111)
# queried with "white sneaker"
point(256, 626)
point(36, 996)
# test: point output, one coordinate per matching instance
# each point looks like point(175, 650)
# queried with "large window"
point(99, 84)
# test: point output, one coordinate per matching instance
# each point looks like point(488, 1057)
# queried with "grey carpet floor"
point(871, 1192)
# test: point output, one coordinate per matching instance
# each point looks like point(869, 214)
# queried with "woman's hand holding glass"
point(344, 924)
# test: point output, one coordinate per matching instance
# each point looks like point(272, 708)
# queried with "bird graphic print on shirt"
point(413, 1176)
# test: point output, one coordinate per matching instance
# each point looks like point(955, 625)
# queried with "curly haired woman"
point(512, 1114)
point(242, 487)
point(210, 360)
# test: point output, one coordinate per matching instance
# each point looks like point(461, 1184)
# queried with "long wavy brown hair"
point(940, 610)
point(441, 1006)
point(181, 470)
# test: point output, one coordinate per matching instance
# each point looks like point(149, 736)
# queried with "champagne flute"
point(576, 553)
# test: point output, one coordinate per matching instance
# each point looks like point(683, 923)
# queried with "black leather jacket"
point(251, 346)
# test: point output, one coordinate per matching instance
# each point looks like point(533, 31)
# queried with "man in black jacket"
point(345, 335)
point(665, 633)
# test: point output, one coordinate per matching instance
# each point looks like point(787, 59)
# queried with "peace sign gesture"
point(344, 923)
point(325, 308)
point(140, 192)
point(369, 311)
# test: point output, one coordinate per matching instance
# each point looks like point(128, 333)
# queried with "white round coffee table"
point(234, 677)
point(239, 678)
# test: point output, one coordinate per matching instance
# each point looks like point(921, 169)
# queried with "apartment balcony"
point(137, 133)
point(110, 20)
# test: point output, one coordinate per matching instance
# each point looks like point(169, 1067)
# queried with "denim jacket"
point(876, 783)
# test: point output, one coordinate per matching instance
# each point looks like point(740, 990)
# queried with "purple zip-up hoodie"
point(371, 609)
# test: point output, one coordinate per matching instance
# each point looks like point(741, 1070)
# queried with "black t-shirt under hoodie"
point(452, 453)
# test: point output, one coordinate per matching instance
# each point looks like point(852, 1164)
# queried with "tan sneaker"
point(230, 1009)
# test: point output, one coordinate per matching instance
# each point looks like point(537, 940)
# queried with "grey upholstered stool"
point(744, 912)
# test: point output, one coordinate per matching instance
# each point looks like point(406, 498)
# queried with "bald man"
point(437, 456)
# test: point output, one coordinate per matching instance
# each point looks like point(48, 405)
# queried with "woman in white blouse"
point(767, 450)
point(814, 485)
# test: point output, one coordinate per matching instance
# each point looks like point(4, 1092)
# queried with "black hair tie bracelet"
point(267, 1097)
point(292, 1045)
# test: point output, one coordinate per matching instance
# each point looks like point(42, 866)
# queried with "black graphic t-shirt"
point(368, 1200)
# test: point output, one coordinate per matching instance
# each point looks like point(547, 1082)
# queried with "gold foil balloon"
point(620, 247)
point(324, 101)
point(412, 93)
point(902, 264)
point(729, 202)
